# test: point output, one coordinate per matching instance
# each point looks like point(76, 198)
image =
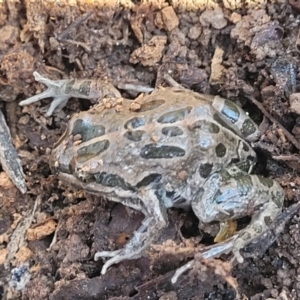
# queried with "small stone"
point(235, 18)
point(167, 19)
point(194, 32)
point(216, 66)
point(295, 103)
point(23, 254)
point(24, 120)
point(215, 18)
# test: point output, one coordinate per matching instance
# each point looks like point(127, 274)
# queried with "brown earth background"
point(230, 48)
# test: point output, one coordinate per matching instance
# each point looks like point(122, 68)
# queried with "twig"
point(290, 137)
point(18, 238)
point(9, 158)
point(61, 37)
point(83, 45)
point(135, 88)
point(172, 82)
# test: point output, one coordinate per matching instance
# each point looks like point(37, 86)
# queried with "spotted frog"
point(170, 148)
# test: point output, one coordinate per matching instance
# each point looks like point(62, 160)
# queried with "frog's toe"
point(117, 256)
point(237, 255)
point(106, 254)
point(56, 105)
point(111, 262)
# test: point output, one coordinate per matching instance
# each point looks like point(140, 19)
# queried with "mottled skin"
point(179, 149)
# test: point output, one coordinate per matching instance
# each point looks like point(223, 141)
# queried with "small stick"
point(80, 20)
point(290, 137)
point(76, 43)
point(172, 82)
point(9, 158)
point(135, 88)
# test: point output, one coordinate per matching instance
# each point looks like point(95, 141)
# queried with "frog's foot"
point(231, 194)
point(140, 241)
point(210, 252)
point(53, 91)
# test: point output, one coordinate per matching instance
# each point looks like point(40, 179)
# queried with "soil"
point(48, 236)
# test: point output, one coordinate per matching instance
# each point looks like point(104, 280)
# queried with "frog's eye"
point(87, 130)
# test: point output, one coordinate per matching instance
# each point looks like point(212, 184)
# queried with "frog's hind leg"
point(155, 220)
point(267, 208)
point(231, 194)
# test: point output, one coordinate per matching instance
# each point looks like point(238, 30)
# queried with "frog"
point(175, 149)
point(172, 148)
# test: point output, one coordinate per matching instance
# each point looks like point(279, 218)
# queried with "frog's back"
point(173, 136)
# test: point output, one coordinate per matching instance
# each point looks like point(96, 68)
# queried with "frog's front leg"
point(62, 90)
point(231, 194)
point(155, 220)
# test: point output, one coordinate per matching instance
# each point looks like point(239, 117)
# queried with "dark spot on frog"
point(172, 131)
point(134, 123)
point(87, 152)
point(248, 128)
point(268, 220)
point(112, 180)
point(230, 111)
point(87, 130)
point(205, 170)
point(151, 178)
point(150, 105)
point(205, 126)
point(220, 150)
point(174, 116)
point(156, 151)
point(134, 136)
